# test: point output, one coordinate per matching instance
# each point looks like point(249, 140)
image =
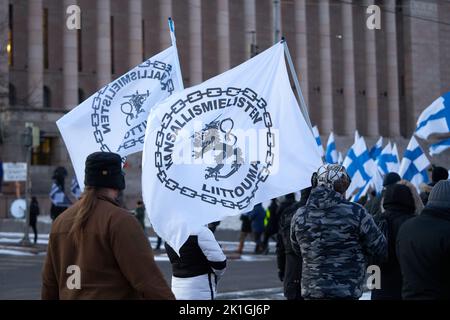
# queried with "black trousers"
point(158, 244)
point(33, 226)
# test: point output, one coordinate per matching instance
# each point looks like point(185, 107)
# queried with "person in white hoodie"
point(198, 269)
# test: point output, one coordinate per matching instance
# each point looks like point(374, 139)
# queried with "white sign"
point(18, 208)
point(16, 171)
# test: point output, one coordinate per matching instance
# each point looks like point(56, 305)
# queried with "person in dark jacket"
point(374, 204)
point(423, 248)
point(213, 226)
point(246, 229)
point(96, 249)
point(437, 174)
point(272, 224)
point(139, 213)
point(289, 264)
point(34, 212)
point(257, 216)
point(399, 207)
point(58, 197)
point(335, 238)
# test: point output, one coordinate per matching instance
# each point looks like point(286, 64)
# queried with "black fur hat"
point(104, 170)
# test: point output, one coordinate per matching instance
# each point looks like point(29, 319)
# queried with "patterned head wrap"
point(330, 174)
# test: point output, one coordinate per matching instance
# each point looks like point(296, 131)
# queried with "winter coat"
point(55, 211)
point(246, 225)
point(334, 237)
point(423, 250)
point(113, 256)
point(289, 264)
point(399, 207)
point(140, 215)
point(198, 268)
point(34, 212)
point(425, 190)
point(272, 223)
point(374, 205)
point(257, 216)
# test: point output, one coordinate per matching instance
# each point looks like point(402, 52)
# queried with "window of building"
point(45, 31)
point(47, 97)
point(10, 45)
point(12, 95)
point(80, 50)
point(80, 95)
point(42, 155)
point(112, 44)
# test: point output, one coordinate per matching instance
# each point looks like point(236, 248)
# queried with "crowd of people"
point(325, 242)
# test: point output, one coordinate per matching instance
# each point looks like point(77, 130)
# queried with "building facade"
point(352, 77)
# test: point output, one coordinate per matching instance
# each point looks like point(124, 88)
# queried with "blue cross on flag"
point(435, 119)
point(362, 169)
point(75, 188)
point(331, 155)
point(319, 142)
point(414, 164)
point(340, 158)
point(58, 197)
point(387, 161)
point(440, 146)
point(375, 151)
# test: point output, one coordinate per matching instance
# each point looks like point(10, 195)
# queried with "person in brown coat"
point(98, 250)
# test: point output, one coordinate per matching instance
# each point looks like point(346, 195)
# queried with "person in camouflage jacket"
point(335, 238)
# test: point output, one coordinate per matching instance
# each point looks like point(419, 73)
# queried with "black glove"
point(281, 275)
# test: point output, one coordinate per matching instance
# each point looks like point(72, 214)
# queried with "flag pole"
point(174, 44)
point(303, 107)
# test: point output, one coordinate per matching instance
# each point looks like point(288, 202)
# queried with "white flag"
point(114, 119)
point(219, 148)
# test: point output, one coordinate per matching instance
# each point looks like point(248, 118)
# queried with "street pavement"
point(248, 276)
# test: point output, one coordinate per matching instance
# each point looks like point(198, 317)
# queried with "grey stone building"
point(376, 81)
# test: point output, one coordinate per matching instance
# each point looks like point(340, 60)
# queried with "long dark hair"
point(88, 201)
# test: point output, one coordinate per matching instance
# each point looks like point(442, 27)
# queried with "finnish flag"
point(357, 136)
point(362, 169)
point(435, 119)
point(414, 164)
point(58, 197)
point(387, 161)
point(75, 188)
point(375, 151)
point(331, 155)
point(440, 146)
point(340, 158)
point(362, 192)
point(397, 157)
point(319, 142)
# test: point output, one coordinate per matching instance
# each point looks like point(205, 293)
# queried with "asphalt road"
point(20, 277)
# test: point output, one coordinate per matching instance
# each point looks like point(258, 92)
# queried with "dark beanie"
point(399, 195)
point(104, 170)
point(440, 195)
point(391, 178)
point(439, 174)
